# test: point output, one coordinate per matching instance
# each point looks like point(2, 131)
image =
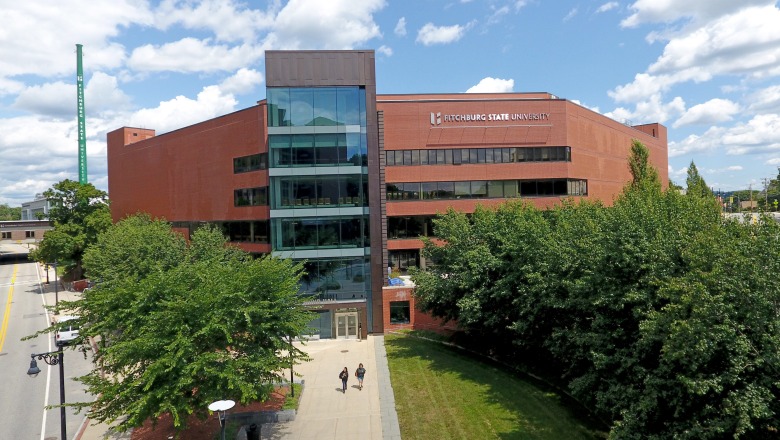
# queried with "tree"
point(657, 314)
point(180, 325)
point(7, 213)
point(79, 213)
point(697, 187)
point(642, 172)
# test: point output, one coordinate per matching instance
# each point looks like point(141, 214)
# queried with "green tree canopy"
point(7, 213)
point(643, 174)
point(657, 313)
point(697, 187)
point(79, 212)
point(179, 326)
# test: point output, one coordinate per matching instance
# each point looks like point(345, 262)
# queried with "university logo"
point(435, 118)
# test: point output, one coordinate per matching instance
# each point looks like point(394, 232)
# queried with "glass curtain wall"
point(324, 128)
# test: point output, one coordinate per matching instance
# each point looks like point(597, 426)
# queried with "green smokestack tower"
point(82, 123)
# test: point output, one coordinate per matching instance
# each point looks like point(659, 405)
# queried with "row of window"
point(236, 231)
point(320, 233)
point(322, 149)
point(6, 235)
point(337, 278)
point(331, 149)
point(316, 106)
point(486, 189)
point(410, 227)
point(250, 196)
point(458, 156)
point(252, 162)
point(322, 191)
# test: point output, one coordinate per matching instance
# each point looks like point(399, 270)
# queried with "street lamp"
point(222, 406)
point(51, 359)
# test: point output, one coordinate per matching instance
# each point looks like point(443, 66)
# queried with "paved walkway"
point(324, 412)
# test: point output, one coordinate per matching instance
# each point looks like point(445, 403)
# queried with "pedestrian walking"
point(360, 373)
point(344, 376)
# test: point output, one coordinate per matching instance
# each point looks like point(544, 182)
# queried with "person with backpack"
point(344, 376)
point(360, 372)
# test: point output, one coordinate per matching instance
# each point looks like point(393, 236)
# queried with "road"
point(23, 293)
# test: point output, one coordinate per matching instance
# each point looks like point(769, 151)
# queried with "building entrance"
point(346, 325)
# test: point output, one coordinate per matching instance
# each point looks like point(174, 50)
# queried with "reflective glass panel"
point(302, 109)
point(348, 107)
point(325, 106)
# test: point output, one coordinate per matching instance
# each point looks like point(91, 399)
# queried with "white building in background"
point(38, 207)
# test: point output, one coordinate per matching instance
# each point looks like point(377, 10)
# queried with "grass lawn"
point(442, 393)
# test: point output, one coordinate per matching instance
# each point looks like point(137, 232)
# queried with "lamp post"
point(52, 358)
point(221, 406)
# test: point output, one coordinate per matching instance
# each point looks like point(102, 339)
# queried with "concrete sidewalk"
point(324, 412)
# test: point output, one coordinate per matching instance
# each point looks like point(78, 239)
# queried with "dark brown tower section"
point(343, 68)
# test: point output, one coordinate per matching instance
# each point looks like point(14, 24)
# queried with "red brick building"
point(327, 171)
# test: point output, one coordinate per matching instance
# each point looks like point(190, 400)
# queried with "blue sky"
point(707, 69)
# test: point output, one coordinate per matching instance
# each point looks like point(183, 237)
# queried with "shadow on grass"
point(509, 404)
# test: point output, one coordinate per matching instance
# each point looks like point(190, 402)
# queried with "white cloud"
point(45, 152)
point(44, 34)
point(711, 112)
point(56, 99)
point(431, 34)
point(667, 11)
point(307, 24)
point(493, 85)
point(767, 99)
point(710, 141)
point(744, 43)
point(193, 55)
point(607, 7)
point(101, 93)
point(649, 111)
point(646, 86)
point(760, 135)
point(400, 27)
point(570, 15)
point(182, 111)
point(519, 4)
point(498, 14)
point(242, 82)
point(384, 50)
point(228, 20)
point(10, 87)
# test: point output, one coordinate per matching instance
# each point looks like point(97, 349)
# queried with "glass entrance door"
point(346, 325)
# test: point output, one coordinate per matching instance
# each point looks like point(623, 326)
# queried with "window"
point(319, 233)
point(250, 163)
point(399, 312)
point(403, 260)
point(407, 227)
point(462, 190)
point(6, 235)
point(250, 196)
point(29, 234)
